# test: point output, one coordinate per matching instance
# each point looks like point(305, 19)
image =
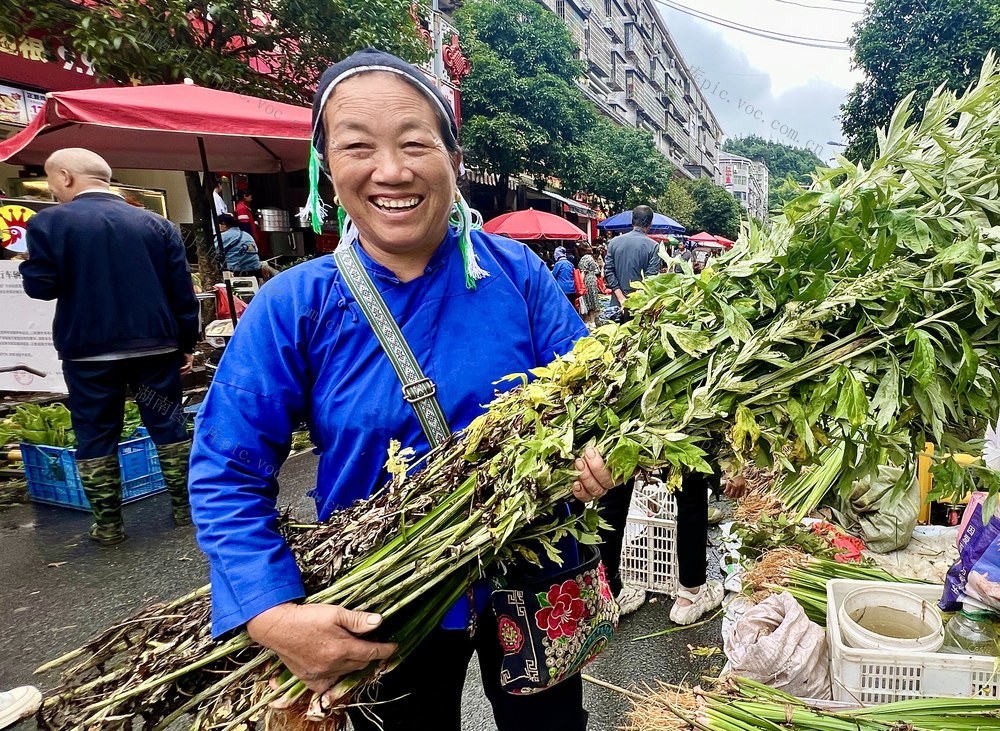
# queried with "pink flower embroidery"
point(602, 581)
point(511, 638)
point(565, 610)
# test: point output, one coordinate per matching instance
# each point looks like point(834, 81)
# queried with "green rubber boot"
point(174, 466)
point(102, 484)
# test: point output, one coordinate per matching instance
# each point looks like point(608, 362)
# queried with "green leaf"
point(922, 366)
point(969, 366)
point(886, 402)
point(692, 342)
point(623, 459)
point(736, 325)
point(745, 431)
point(797, 415)
point(852, 403)
point(543, 599)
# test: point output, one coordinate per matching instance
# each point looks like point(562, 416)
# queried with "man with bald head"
point(126, 317)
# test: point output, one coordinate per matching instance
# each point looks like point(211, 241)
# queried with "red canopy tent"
point(168, 127)
point(532, 225)
point(704, 238)
point(728, 243)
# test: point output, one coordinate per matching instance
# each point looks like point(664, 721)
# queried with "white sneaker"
point(18, 703)
point(630, 598)
point(707, 598)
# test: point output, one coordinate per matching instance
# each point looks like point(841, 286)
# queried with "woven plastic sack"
point(777, 644)
point(877, 511)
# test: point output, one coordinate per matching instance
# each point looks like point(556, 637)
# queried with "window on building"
point(609, 8)
point(629, 36)
point(586, 36)
point(561, 8)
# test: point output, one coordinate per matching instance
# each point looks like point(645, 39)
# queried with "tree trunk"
point(208, 262)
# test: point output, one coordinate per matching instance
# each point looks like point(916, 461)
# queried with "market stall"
point(170, 127)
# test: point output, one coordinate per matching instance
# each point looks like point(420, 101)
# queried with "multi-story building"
point(748, 180)
point(636, 76)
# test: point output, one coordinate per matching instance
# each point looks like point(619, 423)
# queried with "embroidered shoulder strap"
point(418, 390)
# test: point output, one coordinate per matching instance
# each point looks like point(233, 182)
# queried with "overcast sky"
point(784, 92)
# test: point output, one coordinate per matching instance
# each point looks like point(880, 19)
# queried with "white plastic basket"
point(649, 549)
point(870, 677)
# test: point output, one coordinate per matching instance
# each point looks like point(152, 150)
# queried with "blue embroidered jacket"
point(304, 352)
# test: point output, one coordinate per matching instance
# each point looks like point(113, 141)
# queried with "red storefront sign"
point(25, 63)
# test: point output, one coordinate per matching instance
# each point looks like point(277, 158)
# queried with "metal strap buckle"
point(419, 390)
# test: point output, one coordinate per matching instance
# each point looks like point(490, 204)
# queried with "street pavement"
point(57, 589)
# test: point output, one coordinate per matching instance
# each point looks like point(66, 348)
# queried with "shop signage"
point(19, 106)
point(26, 337)
point(25, 62)
point(13, 227)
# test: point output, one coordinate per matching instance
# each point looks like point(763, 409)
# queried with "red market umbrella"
point(704, 238)
point(728, 243)
point(168, 127)
point(532, 225)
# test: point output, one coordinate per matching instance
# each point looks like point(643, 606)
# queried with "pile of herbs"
point(51, 426)
point(740, 704)
point(865, 319)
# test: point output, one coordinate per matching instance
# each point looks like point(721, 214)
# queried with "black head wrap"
point(372, 59)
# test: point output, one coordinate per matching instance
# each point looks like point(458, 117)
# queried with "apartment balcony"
point(678, 112)
point(615, 27)
point(656, 120)
point(599, 57)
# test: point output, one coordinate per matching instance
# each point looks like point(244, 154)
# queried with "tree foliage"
point(716, 210)
point(521, 108)
point(273, 48)
point(782, 161)
point(620, 165)
point(905, 46)
point(677, 203)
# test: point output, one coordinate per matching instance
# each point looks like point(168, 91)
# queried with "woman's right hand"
point(319, 643)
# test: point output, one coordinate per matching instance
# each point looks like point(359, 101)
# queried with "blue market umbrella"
point(623, 222)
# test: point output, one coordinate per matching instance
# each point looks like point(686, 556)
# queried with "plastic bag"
point(976, 574)
point(777, 644)
point(877, 513)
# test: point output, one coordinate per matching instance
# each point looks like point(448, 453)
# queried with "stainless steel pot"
point(274, 219)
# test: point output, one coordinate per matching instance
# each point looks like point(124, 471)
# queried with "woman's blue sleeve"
point(242, 437)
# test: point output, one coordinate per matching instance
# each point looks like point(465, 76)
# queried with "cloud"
point(742, 94)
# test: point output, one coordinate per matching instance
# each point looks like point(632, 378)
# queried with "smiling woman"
point(472, 308)
point(392, 171)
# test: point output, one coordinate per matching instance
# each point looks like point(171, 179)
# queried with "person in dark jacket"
point(126, 316)
point(632, 256)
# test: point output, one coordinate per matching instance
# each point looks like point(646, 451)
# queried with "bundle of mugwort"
point(864, 320)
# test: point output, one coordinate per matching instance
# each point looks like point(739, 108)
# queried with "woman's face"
point(389, 163)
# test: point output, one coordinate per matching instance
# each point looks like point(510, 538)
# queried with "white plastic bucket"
point(885, 617)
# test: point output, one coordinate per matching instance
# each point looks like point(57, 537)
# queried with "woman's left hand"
point(594, 480)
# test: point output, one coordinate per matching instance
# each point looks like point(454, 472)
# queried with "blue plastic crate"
point(53, 477)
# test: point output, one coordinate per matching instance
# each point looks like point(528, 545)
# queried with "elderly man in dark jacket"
point(126, 316)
